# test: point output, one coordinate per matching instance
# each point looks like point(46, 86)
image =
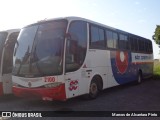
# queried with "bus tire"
point(139, 79)
point(93, 90)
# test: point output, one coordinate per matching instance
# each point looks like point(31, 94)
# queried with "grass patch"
point(156, 70)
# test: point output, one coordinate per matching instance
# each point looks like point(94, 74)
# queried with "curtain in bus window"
point(110, 42)
point(115, 40)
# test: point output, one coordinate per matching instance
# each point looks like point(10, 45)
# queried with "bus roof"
point(11, 30)
point(71, 18)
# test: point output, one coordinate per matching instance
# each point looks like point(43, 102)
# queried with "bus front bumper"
point(57, 93)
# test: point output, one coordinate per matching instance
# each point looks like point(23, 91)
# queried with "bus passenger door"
point(76, 47)
point(72, 75)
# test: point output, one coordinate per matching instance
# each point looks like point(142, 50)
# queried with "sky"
point(139, 17)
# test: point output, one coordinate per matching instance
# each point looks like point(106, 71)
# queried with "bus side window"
point(97, 39)
point(132, 44)
point(123, 42)
point(76, 46)
point(112, 39)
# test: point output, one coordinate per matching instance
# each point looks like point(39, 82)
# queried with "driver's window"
point(76, 45)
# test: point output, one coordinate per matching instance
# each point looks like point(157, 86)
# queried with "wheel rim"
point(93, 89)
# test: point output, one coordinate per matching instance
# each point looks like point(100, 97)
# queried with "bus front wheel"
point(93, 90)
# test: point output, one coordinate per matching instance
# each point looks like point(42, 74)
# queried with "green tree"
point(156, 36)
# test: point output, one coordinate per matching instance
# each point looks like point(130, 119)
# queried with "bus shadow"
point(72, 103)
point(156, 77)
point(8, 98)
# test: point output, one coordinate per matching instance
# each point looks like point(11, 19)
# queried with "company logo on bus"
point(122, 61)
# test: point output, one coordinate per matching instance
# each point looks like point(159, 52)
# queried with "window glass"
point(76, 45)
point(8, 53)
point(3, 36)
point(141, 45)
point(112, 39)
point(123, 42)
point(115, 40)
point(97, 38)
point(101, 37)
point(110, 42)
point(136, 44)
point(39, 50)
point(23, 50)
point(150, 47)
point(49, 48)
point(146, 46)
point(132, 44)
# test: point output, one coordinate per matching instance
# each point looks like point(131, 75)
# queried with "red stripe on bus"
point(57, 93)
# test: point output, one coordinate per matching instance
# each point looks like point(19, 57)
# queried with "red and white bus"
point(8, 39)
point(67, 57)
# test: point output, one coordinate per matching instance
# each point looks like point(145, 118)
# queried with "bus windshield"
point(39, 49)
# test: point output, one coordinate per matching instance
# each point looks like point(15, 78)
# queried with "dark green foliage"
point(156, 36)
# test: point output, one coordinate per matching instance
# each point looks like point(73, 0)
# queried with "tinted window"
point(123, 42)
point(97, 38)
point(150, 47)
point(141, 45)
point(8, 53)
point(76, 45)
point(112, 39)
point(23, 50)
point(49, 48)
point(115, 40)
point(146, 46)
point(3, 36)
point(40, 49)
point(110, 43)
point(134, 44)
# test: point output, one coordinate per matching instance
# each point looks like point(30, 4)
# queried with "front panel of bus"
point(38, 60)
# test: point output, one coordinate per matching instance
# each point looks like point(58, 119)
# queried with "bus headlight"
point(52, 85)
